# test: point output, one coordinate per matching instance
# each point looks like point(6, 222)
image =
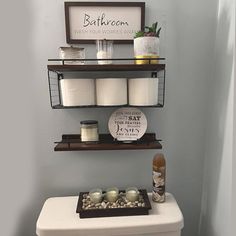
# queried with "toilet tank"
point(58, 217)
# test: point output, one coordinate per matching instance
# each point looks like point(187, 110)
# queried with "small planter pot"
point(146, 47)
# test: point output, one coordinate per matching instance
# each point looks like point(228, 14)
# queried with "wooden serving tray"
point(90, 213)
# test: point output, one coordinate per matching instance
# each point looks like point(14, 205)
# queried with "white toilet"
point(58, 218)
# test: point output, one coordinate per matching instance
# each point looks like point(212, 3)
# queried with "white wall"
point(32, 172)
point(216, 217)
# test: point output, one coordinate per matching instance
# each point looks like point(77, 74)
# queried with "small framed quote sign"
point(89, 21)
point(127, 124)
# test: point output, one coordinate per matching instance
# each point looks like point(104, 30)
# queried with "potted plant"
point(146, 44)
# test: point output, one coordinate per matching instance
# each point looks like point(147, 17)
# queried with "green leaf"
point(158, 32)
point(147, 30)
point(139, 34)
point(150, 29)
point(154, 26)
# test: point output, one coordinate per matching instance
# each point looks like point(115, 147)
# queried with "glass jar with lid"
point(89, 131)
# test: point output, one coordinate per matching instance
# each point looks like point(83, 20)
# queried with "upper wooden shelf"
point(109, 67)
point(117, 65)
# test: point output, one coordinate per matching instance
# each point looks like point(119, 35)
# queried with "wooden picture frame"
point(117, 21)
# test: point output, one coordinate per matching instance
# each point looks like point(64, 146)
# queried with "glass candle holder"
point(96, 195)
point(112, 194)
point(104, 51)
point(132, 194)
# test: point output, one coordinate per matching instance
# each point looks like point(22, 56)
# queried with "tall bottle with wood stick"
point(159, 178)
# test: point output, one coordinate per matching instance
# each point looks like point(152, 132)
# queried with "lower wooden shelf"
point(72, 142)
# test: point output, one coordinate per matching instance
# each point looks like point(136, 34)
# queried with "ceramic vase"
point(146, 47)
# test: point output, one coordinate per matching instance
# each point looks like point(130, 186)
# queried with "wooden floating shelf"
point(72, 142)
point(95, 106)
point(109, 67)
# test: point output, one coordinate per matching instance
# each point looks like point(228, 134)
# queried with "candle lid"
point(88, 122)
point(71, 48)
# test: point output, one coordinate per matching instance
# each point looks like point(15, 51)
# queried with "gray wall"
point(219, 184)
point(233, 219)
point(32, 172)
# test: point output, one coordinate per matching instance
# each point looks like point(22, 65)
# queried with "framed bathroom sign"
point(117, 21)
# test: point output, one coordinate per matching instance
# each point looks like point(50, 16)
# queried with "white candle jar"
point(111, 91)
point(132, 194)
point(89, 131)
point(104, 51)
point(112, 194)
point(143, 91)
point(95, 195)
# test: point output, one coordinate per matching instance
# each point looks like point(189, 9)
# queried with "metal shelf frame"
point(56, 73)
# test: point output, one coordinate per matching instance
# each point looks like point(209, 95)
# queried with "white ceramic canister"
point(144, 46)
point(77, 92)
point(143, 91)
point(111, 91)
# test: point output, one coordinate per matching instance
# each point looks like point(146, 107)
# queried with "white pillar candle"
point(112, 194)
point(77, 92)
point(143, 91)
point(111, 91)
point(104, 55)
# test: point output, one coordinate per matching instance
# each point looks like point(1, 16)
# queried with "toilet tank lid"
point(58, 216)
